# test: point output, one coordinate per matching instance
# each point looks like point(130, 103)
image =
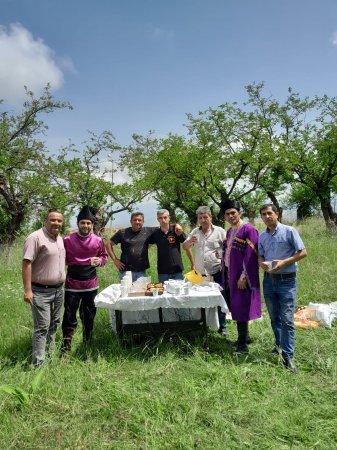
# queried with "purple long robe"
point(245, 304)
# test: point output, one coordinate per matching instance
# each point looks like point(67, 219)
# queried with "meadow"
point(166, 392)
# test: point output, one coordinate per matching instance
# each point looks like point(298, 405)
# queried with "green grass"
point(167, 393)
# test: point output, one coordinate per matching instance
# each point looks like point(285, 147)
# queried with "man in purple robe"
point(241, 272)
point(84, 252)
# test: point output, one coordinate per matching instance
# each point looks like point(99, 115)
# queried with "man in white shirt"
point(207, 240)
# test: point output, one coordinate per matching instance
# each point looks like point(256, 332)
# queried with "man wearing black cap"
point(241, 272)
point(84, 252)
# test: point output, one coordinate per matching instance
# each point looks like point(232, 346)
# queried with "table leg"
point(205, 329)
point(119, 325)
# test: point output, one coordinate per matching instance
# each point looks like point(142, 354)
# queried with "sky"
point(130, 66)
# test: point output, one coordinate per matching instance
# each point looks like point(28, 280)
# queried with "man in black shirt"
point(170, 265)
point(134, 244)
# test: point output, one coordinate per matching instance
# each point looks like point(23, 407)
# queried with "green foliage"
point(16, 392)
point(24, 162)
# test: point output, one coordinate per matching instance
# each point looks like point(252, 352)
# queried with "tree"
point(88, 179)
point(24, 162)
point(309, 135)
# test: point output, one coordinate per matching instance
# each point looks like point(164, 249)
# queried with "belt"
point(48, 286)
point(281, 276)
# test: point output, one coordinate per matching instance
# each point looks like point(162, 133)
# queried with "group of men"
point(232, 260)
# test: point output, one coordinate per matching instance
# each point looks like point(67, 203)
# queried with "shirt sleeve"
point(117, 237)
point(30, 248)
point(102, 253)
point(260, 246)
point(151, 239)
point(181, 238)
point(296, 240)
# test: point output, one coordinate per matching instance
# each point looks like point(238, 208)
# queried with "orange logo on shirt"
point(171, 239)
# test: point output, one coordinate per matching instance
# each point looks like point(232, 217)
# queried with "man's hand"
point(28, 296)
point(178, 229)
point(277, 265)
point(264, 265)
point(118, 263)
point(242, 283)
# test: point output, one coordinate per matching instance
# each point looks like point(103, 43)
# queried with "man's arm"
point(27, 280)
point(190, 241)
point(109, 248)
point(190, 257)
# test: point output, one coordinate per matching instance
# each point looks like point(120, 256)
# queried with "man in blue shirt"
point(280, 247)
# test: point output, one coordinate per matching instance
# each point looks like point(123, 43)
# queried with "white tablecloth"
point(144, 309)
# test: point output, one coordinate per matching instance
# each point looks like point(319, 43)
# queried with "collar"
point(272, 233)
point(49, 234)
point(239, 224)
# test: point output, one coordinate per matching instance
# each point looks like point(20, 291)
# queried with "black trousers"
point(84, 301)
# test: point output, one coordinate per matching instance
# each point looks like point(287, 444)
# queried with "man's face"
point(204, 220)
point(137, 223)
point(163, 219)
point(54, 223)
point(84, 227)
point(232, 216)
point(269, 217)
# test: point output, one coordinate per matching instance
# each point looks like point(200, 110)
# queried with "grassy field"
point(168, 393)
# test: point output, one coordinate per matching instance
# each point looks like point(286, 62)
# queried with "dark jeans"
point(170, 276)
point(217, 277)
point(84, 301)
point(280, 296)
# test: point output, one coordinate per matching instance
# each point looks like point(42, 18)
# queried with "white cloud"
point(334, 38)
point(26, 61)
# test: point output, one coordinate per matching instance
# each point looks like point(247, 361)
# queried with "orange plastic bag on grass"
point(302, 318)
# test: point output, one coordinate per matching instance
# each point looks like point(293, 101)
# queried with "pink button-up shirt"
point(47, 255)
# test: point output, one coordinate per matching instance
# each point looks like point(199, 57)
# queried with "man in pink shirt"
point(84, 252)
point(43, 277)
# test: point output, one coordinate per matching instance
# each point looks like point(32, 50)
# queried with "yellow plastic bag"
point(194, 277)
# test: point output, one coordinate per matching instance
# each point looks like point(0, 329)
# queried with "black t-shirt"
point(134, 246)
point(168, 250)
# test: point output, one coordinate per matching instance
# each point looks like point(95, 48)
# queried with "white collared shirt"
point(208, 250)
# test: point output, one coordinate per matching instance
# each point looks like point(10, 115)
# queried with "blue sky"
point(139, 65)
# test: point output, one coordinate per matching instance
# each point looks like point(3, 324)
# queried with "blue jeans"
point(135, 275)
point(217, 277)
point(170, 276)
point(280, 296)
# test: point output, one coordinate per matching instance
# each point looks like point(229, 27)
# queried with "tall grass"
point(167, 393)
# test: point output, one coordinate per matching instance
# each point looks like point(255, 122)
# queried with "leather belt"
point(281, 276)
point(47, 286)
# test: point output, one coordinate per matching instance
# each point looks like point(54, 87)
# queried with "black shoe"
point(242, 350)
point(248, 342)
point(276, 351)
point(289, 364)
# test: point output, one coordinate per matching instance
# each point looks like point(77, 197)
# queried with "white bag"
point(325, 314)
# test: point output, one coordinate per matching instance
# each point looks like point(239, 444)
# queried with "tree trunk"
point(330, 217)
point(17, 218)
point(251, 215)
point(273, 198)
point(303, 210)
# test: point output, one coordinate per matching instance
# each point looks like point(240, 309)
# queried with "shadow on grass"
point(19, 351)
point(106, 345)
